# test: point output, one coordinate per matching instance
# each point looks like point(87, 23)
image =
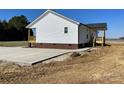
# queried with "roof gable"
point(50, 11)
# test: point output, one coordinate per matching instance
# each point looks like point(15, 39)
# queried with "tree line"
point(14, 29)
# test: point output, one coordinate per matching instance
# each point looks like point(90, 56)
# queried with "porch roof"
point(98, 26)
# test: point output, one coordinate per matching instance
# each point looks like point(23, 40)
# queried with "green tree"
point(14, 29)
point(19, 23)
point(1, 26)
point(5, 25)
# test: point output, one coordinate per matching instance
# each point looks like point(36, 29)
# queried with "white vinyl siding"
point(50, 29)
point(84, 34)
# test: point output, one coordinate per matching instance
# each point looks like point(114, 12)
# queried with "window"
point(87, 36)
point(65, 30)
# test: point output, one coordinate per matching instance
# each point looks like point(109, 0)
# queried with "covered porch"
point(99, 28)
point(31, 36)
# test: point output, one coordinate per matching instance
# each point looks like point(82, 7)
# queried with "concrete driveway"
point(28, 56)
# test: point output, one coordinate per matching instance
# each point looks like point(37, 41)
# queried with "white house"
point(53, 30)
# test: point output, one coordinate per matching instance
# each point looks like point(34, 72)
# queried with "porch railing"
point(100, 40)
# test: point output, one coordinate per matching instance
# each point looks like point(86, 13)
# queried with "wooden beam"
point(94, 41)
point(102, 41)
point(28, 34)
point(104, 37)
point(29, 43)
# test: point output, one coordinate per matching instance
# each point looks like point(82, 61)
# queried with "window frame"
point(65, 30)
point(87, 36)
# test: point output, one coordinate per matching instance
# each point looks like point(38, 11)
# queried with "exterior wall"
point(50, 29)
point(83, 32)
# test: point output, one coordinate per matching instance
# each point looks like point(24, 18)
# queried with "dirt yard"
point(103, 65)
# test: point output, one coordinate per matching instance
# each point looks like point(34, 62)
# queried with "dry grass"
point(104, 65)
point(13, 43)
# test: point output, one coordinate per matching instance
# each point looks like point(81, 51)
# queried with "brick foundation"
point(57, 46)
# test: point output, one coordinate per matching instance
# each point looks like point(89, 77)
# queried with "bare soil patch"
point(103, 65)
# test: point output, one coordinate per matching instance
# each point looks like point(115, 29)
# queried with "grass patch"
point(13, 43)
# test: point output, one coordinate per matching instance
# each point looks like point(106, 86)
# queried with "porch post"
point(29, 44)
point(94, 41)
point(28, 34)
point(104, 37)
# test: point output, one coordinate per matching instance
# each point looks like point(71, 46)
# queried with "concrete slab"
point(29, 56)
